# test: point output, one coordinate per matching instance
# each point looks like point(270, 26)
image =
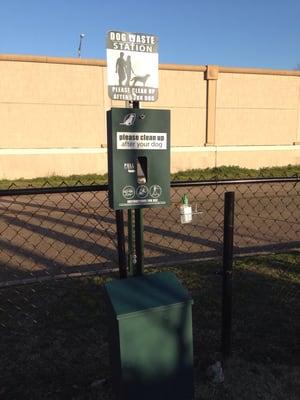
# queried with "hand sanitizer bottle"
point(185, 210)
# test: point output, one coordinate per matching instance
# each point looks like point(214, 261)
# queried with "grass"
point(54, 181)
point(54, 345)
point(235, 172)
point(230, 172)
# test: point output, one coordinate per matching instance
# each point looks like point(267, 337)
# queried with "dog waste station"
point(138, 155)
point(149, 315)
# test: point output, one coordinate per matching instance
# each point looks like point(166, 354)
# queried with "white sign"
point(132, 66)
point(141, 141)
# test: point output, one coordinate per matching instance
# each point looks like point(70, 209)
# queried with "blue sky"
point(246, 33)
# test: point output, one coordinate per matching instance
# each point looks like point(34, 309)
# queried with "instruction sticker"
point(141, 141)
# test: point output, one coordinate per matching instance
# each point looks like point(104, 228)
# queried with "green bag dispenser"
point(138, 145)
point(151, 343)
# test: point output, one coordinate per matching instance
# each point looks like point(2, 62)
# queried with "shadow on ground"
point(54, 334)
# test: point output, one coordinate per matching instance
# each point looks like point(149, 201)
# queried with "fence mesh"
point(44, 235)
point(266, 219)
point(50, 234)
point(47, 238)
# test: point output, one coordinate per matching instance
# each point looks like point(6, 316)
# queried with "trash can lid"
point(141, 293)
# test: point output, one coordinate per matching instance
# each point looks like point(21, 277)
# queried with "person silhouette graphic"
point(129, 70)
point(121, 68)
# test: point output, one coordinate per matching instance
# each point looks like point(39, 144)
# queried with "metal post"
point(131, 246)
point(139, 241)
point(139, 231)
point(121, 244)
point(227, 274)
point(82, 35)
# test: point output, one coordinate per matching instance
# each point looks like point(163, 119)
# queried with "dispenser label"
point(141, 141)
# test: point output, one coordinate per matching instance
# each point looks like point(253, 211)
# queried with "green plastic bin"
point(151, 341)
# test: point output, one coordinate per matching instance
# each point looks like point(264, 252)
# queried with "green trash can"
point(151, 341)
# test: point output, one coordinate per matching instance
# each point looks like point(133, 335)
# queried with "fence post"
point(227, 274)
point(121, 244)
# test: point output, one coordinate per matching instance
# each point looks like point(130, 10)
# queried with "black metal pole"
point(139, 241)
point(227, 274)
point(121, 244)
point(138, 269)
point(131, 242)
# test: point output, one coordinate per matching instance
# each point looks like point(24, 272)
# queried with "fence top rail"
point(104, 187)
point(235, 181)
point(50, 190)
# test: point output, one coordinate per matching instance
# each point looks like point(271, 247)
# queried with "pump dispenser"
point(185, 210)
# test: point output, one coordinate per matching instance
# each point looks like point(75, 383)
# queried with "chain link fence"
point(49, 236)
point(61, 232)
point(55, 233)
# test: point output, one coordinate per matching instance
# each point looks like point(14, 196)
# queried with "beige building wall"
point(257, 109)
point(53, 116)
point(51, 105)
